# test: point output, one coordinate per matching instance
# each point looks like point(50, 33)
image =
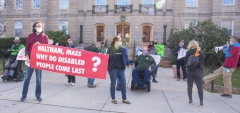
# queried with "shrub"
point(207, 34)
point(6, 42)
point(57, 36)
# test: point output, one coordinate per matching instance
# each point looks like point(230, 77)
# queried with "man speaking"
point(232, 53)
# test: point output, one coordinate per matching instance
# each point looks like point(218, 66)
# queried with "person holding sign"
point(116, 69)
point(12, 62)
point(71, 78)
point(180, 62)
point(153, 51)
point(37, 37)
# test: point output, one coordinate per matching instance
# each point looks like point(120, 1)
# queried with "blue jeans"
point(135, 75)
point(91, 80)
point(29, 72)
point(118, 82)
point(120, 74)
point(156, 69)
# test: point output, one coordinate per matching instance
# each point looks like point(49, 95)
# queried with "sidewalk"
point(167, 96)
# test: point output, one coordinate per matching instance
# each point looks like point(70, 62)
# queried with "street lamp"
point(164, 34)
point(81, 33)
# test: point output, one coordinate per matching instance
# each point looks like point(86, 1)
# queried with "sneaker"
point(201, 104)
point(39, 99)
point(154, 80)
point(67, 83)
point(225, 95)
point(73, 84)
point(190, 101)
point(135, 86)
point(178, 79)
point(145, 86)
point(22, 99)
point(185, 79)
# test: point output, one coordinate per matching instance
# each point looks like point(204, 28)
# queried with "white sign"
point(182, 53)
point(21, 55)
point(157, 58)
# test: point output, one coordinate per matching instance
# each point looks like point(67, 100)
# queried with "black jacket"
point(92, 49)
point(201, 58)
point(111, 59)
point(176, 49)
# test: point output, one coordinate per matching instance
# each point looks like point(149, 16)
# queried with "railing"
point(123, 8)
point(147, 8)
point(100, 8)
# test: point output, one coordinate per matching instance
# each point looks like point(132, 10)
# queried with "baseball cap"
point(235, 37)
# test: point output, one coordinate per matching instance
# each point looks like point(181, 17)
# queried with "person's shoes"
point(39, 99)
point(185, 79)
point(225, 95)
point(73, 84)
point(145, 86)
point(154, 80)
point(178, 79)
point(135, 86)
point(91, 85)
point(201, 104)
point(22, 99)
point(118, 88)
point(190, 101)
point(67, 83)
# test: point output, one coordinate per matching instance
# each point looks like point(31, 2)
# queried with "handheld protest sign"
point(160, 49)
point(69, 61)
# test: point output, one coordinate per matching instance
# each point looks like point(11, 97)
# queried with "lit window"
point(123, 2)
point(2, 29)
point(64, 4)
point(227, 2)
point(228, 24)
point(36, 4)
point(191, 3)
point(2, 4)
point(100, 2)
point(19, 4)
point(147, 1)
point(18, 28)
point(63, 26)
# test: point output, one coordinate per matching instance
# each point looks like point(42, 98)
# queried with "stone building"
point(135, 20)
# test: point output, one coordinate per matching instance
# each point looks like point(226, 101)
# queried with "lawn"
point(219, 80)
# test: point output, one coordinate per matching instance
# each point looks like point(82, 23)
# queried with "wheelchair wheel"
point(20, 76)
point(149, 86)
point(132, 85)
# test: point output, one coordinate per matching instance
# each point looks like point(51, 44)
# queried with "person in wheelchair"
point(143, 64)
point(12, 63)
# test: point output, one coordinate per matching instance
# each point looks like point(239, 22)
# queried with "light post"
point(81, 33)
point(164, 34)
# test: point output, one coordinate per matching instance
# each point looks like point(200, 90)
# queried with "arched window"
point(100, 32)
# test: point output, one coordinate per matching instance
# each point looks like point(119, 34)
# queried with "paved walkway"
point(167, 96)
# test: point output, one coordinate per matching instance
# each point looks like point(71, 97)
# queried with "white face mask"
point(39, 30)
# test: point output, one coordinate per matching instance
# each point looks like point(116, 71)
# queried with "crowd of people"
point(191, 65)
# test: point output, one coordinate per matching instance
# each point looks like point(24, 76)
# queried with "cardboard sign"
point(157, 58)
point(69, 61)
point(160, 49)
point(21, 55)
point(182, 53)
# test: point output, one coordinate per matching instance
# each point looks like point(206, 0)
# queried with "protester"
point(123, 45)
point(180, 62)
point(12, 63)
point(153, 51)
point(37, 37)
point(71, 78)
point(156, 41)
point(116, 69)
point(196, 73)
point(144, 64)
point(138, 49)
point(103, 49)
point(92, 48)
point(232, 53)
point(151, 45)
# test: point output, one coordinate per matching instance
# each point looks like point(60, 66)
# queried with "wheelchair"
point(141, 77)
point(18, 75)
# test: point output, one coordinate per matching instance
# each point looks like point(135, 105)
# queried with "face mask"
point(39, 30)
point(231, 43)
point(182, 43)
point(144, 53)
point(119, 43)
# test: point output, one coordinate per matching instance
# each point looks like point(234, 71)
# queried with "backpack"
point(192, 62)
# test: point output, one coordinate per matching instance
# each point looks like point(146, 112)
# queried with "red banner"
point(69, 61)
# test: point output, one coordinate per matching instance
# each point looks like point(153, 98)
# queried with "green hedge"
point(59, 36)
point(6, 42)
